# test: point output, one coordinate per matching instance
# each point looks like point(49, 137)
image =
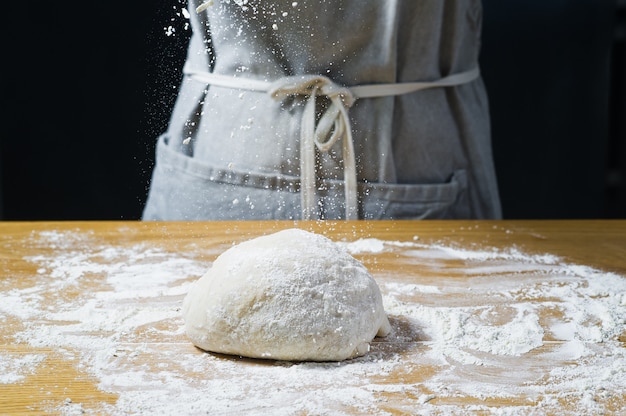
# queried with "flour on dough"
point(292, 295)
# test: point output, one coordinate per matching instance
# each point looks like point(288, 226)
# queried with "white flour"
point(127, 334)
point(15, 367)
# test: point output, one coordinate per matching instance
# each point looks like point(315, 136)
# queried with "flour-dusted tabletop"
point(487, 316)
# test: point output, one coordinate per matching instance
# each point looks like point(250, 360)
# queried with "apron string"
point(334, 124)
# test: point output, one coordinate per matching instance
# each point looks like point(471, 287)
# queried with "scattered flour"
point(15, 367)
point(530, 318)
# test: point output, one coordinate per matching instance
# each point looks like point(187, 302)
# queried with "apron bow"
point(333, 125)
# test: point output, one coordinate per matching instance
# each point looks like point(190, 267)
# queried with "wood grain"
point(598, 244)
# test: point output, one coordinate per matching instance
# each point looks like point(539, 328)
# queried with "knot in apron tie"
point(334, 123)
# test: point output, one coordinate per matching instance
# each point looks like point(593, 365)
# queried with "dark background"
point(86, 90)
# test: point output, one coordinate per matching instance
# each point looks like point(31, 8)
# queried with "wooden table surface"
point(445, 262)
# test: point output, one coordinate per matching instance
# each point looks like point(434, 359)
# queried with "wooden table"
point(77, 336)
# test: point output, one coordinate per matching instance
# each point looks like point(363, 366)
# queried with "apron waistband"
point(334, 124)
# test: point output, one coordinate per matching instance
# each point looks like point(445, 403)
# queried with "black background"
point(86, 90)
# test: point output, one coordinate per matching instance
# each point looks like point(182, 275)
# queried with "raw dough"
point(292, 295)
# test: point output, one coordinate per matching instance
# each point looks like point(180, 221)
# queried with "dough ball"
point(292, 295)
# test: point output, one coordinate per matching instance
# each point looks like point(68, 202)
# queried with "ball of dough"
point(292, 295)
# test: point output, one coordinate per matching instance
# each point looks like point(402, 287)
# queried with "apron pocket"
point(185, 188)
point(416, 201)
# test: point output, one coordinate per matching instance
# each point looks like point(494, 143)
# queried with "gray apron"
point(240, 147)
